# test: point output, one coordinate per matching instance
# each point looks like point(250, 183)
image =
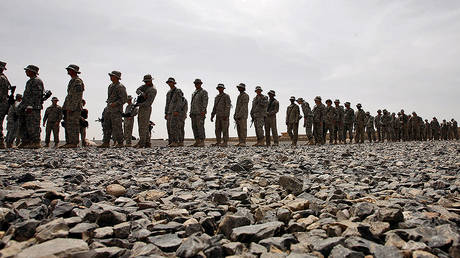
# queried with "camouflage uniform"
point(29, 111)
point(128, 122)
point(52, 117)
point(386, 126)
point(416, 123)
point(258, 114)
point(112, 117)
point(183, 116)
point(4, 87)
point(145, 109)
point(319, 112)
point(174, 103)
point(292, 122)
point(83, 126)
point(348, 121)
point(241, 116)
point(12, 125)
point(435, 129)
point(72, 106)
point(270, 122)
point(396, 123)
point(221, 111)
point(370, 128)
point(428, 134)
point(444, 130)
point(360, 124)
point(198, 110)
point(455, 129)
point(308, 120)
point(378, 126)
point(338, 127)
point(329, 123)
point(405, 127)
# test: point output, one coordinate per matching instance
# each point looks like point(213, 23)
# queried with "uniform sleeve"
point(214, 108)
point(47, 113)
point(150, 97)
point(228, 105)
point(122, 96)
point(60, 114)
point(276, 108)
point(204, 102)
point(178, 103)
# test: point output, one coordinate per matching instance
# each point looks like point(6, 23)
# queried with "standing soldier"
point(386, 126)
point(378, 125)
point(329, 121)
point(198, 108)
point(404, 126)
point(370, 127)
point(30, 109)
point(147, 92)
point(83, 123)
point(428, 130)
point(116, 98)
point(396, 124)
point(444, 130)
point(270, 120)
point(72, 107)
point(416, 123)
point(221, 111)
point(292, 121)
point(360, 123)
point(4, 87)
point(52, 118)
point(348, 121)
point(455, 128)
point(338, 127)
point(241, 115)
point(12, 125)
point(174, 105)
point(183, 116)
point(319, 111)
point(258, 114)
point(435, 128)
point(308, 119)
point(128, 121)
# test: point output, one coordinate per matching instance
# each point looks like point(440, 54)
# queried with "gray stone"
point(167, 242)
point(255, 233)
point(291, 184)
point(61, 247)
point(229, 222)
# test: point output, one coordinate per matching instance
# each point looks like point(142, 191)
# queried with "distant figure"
point(370, 127)
point(174, 99)
point(338, 127)
point(348, 121)
point(12, 125)
point(378, 125)
point(183, 116)
point(148, 92)
point(455, 128)
point(83, 123)
point(128, 121)
point(198, 110)
point(4, 87)
point(329, 121)
point(386, 126)
point(435, 128)
point(292, 121)
point(359, 124)
point(241, 115)
point(221, 111)
point(72, 107)
point(319, 112)
point(258, 114)
point(52, 120)
point(270, 120)
point(307, 119)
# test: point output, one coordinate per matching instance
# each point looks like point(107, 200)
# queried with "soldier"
point(147, 92)
point(198, 109)
point(360, 124)
point(329, 121)
point(12, 125)
point(308, 119)
point(404, 126)
point(370, 127)
point(183, 116)
point(72, 107)
point(319, 112)
point(258, 114)
point(4, 87)
point(221, 111)
point(52, 118)
point(455, 128)
point(409, 128)
point(83, 123)
point(116, 98)
point(270, 120)
point(444, 130)
point(292, 121)
point(378, 125)
point(348, 121)
point(338, 127)
point(435, 128)
point(416, 123)
point(386, 126)
point(396, 124)
point(29, 110)
point(174, 104)
point(428, 131)
point(128, 121)
point(241, 115)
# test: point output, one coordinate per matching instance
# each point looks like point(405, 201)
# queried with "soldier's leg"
point(56, 133)
point(295, 132)
point(107, 128)
point(274, 127)
point(176, 130)
point(182, 130)
point(259, 123)
point(130, 130)
point(218, 129)
point(195, 129)
point(117, 126)
point(33, 126)
point(225, 125)
point(125, 130)
point(48, 133)
point(3, 112)
point(244, 129)
point(267, 130)
point(143, 119)
point(308, 130)
point(169, 128)
point(201, 130)
point(289, 131)
point(238, 130)
point(335, 133)
point(73, 126)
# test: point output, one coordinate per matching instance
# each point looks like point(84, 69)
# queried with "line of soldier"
point(335, 120)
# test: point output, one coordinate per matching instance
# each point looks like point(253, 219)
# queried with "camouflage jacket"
point(349, 116)
point(53, 114)
point(378, 122)
point(331, 115)
point(307, 113)
point(259, 106)
point(360, 117)
point(241, 109)
point(33, 94)
point(183, 111)
point(370, 122)
point(149, 93)
point(386, 120)
point(404, 119)
point(396, 122)
point(13, 114)
point(222, 105)
point(292, 114)
point(4, 87)
point(199, 102)
point(74, 95)
point(273, 107)
point(340, 113)
point(319, 112)
point(174, 101)
point(455, 124)
point(434, 124)
point(131, 110)
point(116, 94)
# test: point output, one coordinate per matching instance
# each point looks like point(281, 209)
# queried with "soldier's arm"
point(45, 117)
point(204, 102)
point(122, 96)
point(139, 90)
point(214, 111)
point(228, 105)
point(150, 98)
point(60, 114)
point(178, 101)
point(167, 103)
point(276, 108)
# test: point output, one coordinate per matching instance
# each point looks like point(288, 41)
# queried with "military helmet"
point(197, 81)
point(242, 86)
point(328, 100)
point(258, 88)
point(3, 65)
point(300, 100)
point(116, 74)
point(171, 79)
point(292, 98)
point(32, 68)
point(54, 99)
point(74, 68)
point(220, 85)
point(347, 103)
point(272, 92)
point(337, 101)
point(18, 96)
point(379, 111)
point(147, 78)
point(368, 113)
point(318, 98)
point(358, 105)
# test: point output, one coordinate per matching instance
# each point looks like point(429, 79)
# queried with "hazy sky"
point(383, 54)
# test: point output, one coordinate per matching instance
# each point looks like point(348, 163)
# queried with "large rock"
point(60, 247)
point(255, 233)
point(229, 222)
point(191, 247)
point(115, 190)
point(291, 184)
point(167, 242)
point(25, 230)
point(53, 229)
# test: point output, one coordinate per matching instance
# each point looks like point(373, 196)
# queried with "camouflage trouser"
point(128, 125)
point(455, 133)
point(198, 126)
point(222, 124)
point(416, 136)
point(182, 129)
point(29, 126)
point(379, 133)
point(435, 133)
point(328, 127)
point(270, 127)
point(308, 124)
point(3, 112)
point(83, 135)
point(52, 126)
point(396, 134)
point(428, 134)
point(143, 120)
point(318, 132)
point(405, 132)
point(242, 129)
point(12, 128)
point(444, 134)
point(347, 127)
point(72, 127)
point(359, 133)
point(338, 131)
point(259, 126)
point(370, 134)
point(293, 131)
point(387, 133)
point(113, 126)
point(174, 128)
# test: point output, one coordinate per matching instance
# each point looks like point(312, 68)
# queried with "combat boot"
point(173, 144)
point(180, 144)
point(70, 146)
point(46, 145)
point(2, 144)
point(200, 143)
point(35, 145)
point(216, 144)
point(195, 144)
point(23, 145)
point(147, 144)
point(119, 145)
point(276, 144)
point(224, 144)
point(63, 146)
point(104, 145)
point(9, 145)
point(56, 145)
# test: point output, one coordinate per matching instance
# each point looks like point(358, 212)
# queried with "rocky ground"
point(381, 200)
